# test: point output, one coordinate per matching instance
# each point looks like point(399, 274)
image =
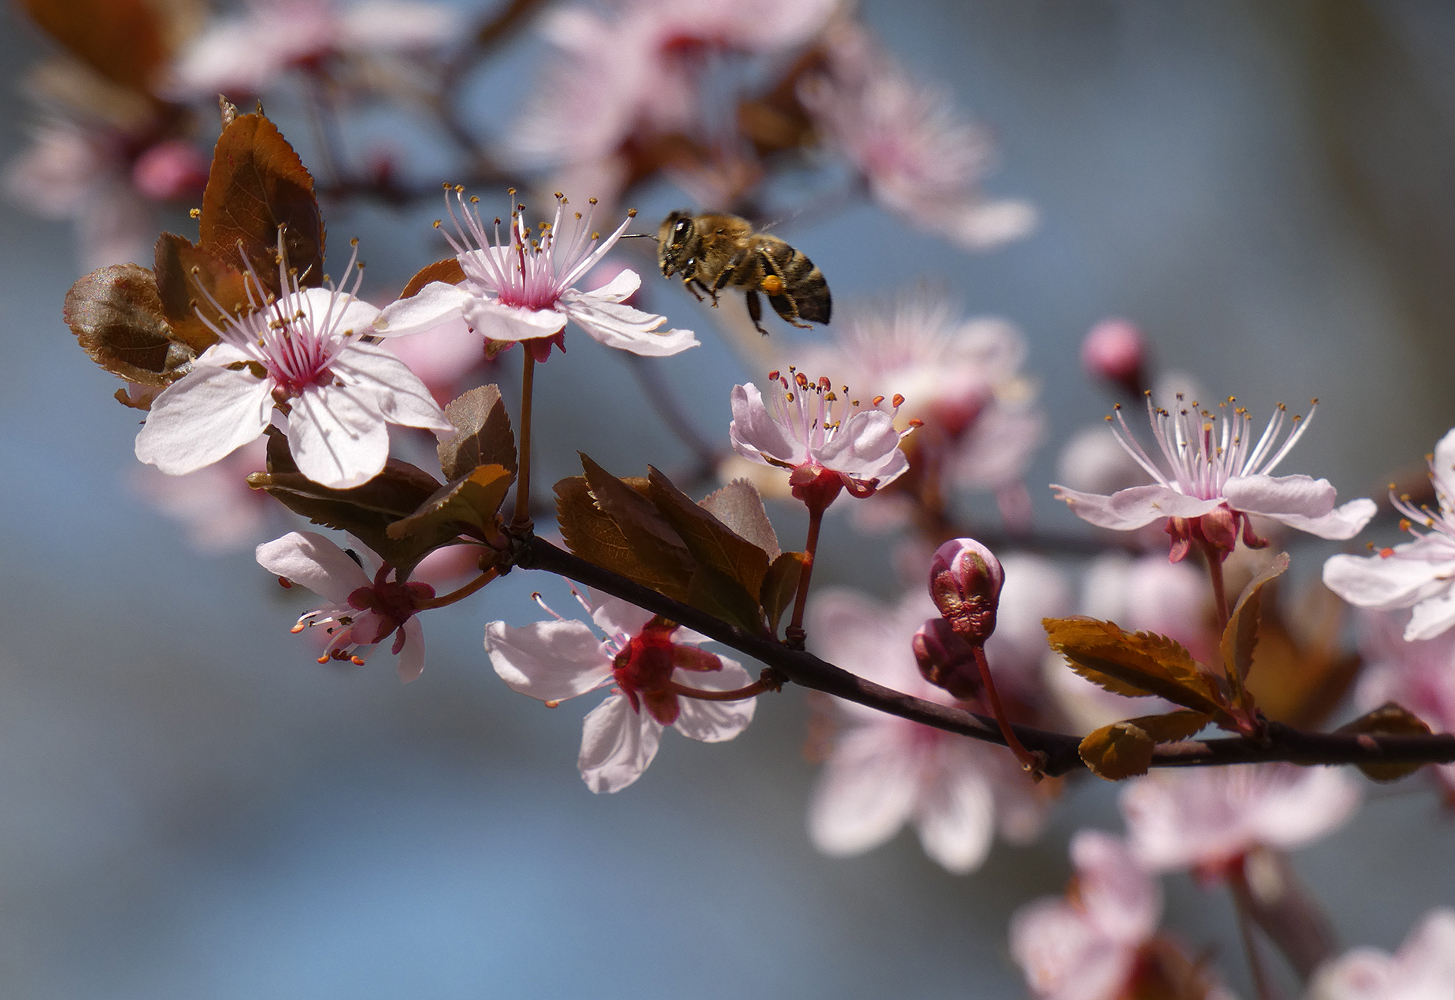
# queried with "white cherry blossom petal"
point(202, 417)
point(1134, 507)
point(501, 322)
point(618, 325)
point(311, 560)
point(867, 447)
point(1431, 617)
point(617, 745)
point(1385, 583)
point(435, 306)
point(396, 392)
point(756, 435)
point(618, 289)
point(334, 438)
point(550, 660)
point(616, 617)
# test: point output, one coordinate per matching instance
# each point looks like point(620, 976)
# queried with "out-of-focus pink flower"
point(1417, 674)
point(826, 441)
point(81, 173)
point(340, 393)
point(651, 662)
point(361, 612)
point(885, 771)
point(1207, 818)
point(1085, 946)
point(916, 153)
point(960, 377)
point(1216, 479)
point(1116, 351)
point(1422, 969)
point(170, 170)
point(524, 288)
point(246, 54)
point(1418, 574)
point(638, 72)
point(216, 507)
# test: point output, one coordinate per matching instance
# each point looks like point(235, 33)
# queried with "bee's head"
point(674, 241)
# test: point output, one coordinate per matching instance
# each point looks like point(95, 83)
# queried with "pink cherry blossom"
point(1115, 350)
point(653, 664)
point(523, 288)
point(1422, 969)
point(825, 440)
point(1086, 946)
point(1418, 574)
point(1207, 818)
point(885, 771)
point(919, 157)
point(962, 378)
point(303, 354)
point(1417, 674)
point(245, 55)
point(361, 612)
point(1216, 479)
point(215, 505)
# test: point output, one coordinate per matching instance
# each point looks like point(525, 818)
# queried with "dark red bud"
point(965, 580)
point(946, 660)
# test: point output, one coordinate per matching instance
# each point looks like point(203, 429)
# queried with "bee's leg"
point(726, 275)
point(688, 280)
point(755, 310)
point(776, 285)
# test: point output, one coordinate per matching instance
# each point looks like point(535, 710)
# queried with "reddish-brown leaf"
point(711, 542)
point(780, 585)
point(1124, 749)
point(184, 273)
point(1240, 637)
point(447, 270)
point(1389, 719)
point(594, 536)
point(116, 314)
point(257, 184)
point(122, 40)
point(456, 508)
point(483, 433)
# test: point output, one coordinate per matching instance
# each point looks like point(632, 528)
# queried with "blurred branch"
point(1282, 743)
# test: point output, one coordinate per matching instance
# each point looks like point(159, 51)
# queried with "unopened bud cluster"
point(965, 582)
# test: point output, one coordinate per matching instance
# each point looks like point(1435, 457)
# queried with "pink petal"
point(1119, 897)
point(714, 721)
point(313, 561)
point(1309, 803)
point(1134, 507)
point(615, 324)
point(867, 789)
point(867, 447)
point(756, 435)
point(955, 814)
point(203, 417)
point(1062, 955)
point(617, 745)
point(411, 657)
point(552, 660)
point(616, 617)
point(396, 392)
point(1385, 583)
point(1431, 617)
point(502, 322)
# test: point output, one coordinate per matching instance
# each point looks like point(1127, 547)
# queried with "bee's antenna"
point(636, 236)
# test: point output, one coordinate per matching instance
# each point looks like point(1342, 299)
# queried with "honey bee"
point(714, 251)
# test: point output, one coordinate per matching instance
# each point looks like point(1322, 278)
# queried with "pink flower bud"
point(1116, 351)
point(946, 660)
point(965, 579)
point(170, 170)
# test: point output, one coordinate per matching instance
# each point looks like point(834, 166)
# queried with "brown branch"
point(1282, 743)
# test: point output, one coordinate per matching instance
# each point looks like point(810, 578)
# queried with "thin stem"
point(794, 632)
point(737, 694)
point(1215, 574)
point(460, 594)
point(1034, 763)
point(521, 521)
point(1280, 743)
point(1261, 984)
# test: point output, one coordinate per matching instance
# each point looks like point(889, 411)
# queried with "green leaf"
point(780, 585)
point(711, 542)
point(1240, 637)
point(739, 506)
point(1389, 719)
point(257, 184)
point(483, 435)
point(1136, 663)
point(1124, 749)
point(594, 536)
point(116, 315)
